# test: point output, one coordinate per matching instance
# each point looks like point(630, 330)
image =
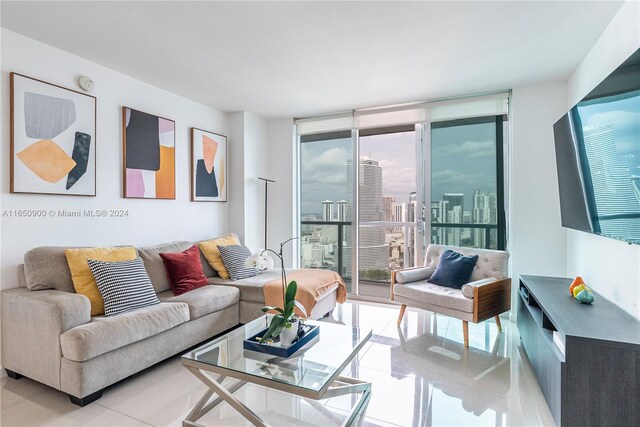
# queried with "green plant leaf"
point(291, 291)
point(302, 309)
point(276, 326)
point(272, 308)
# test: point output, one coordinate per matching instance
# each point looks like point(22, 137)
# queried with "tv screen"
point(598, 157)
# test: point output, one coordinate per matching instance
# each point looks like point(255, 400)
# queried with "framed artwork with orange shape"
point(53, 139)
point(149, 155)
point(208, 166)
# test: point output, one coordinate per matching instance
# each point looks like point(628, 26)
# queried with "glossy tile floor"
point(420, 374)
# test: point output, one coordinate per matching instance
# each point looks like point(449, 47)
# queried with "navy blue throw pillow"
point(454, 269)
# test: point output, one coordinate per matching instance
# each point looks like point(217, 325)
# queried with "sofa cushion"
point(123, 285)
point(184, 270)
point(204, 300)
point(437, 295)
point(154, 265)
point(46, 267)
point(83, 280)
point(105, 334)
point(250, 288)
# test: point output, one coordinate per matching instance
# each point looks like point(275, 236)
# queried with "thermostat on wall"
point(86, 83)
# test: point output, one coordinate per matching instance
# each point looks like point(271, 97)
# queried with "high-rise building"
point(387, 204)
point(453, 214)
point(484, 211)
point(438, 215)
point(373, 250)
point(411, 217)
point(327, 210)
point(342, 210)
point(454, 199)
point(399, 212)
point(613, 186)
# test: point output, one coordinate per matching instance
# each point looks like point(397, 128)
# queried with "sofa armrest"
point(409, 275)
point(491, 299)
point(32, 322)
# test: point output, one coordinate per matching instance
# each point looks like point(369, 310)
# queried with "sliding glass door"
point(389, 206)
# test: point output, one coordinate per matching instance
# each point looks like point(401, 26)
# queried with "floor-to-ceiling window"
point(326, 202)
point(436, 175)
point(467, 193)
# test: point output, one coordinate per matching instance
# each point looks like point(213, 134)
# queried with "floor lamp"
point(266, 189)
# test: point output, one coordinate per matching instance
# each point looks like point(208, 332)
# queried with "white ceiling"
point(292, 59)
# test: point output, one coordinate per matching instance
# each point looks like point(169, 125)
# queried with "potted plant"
point(285, 324)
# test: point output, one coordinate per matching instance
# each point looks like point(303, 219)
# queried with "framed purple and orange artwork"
point(149, 155)
point(53, 139)
point(208, 166)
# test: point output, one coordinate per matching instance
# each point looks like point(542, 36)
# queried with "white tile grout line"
point(121, 413)
point(47, 388)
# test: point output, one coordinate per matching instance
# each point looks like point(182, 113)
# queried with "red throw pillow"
point(184, 270)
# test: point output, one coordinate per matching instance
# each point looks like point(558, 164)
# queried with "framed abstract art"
point(53, 139)
point(149, 155)
point(208, 166)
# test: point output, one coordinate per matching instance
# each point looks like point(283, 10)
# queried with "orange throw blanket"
point(312, 283)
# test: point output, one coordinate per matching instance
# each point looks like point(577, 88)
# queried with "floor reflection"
point(479, 379)
point(427, 358)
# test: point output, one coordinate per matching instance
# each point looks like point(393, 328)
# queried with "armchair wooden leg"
point(498, 324)
point(402, 309)
point(465, 333)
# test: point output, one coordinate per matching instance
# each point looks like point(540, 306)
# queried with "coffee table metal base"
point(339, 387)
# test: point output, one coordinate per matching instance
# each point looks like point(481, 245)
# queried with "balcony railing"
point(486, 227)
point(340, 239)
point(407, 228)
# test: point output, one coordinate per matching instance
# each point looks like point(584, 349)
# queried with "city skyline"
point(462, 160)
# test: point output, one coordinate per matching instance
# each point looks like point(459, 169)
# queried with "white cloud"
point(469, 149)
point(328, 168)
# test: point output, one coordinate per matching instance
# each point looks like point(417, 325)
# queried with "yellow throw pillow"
point(210, 250)
point(83, 280)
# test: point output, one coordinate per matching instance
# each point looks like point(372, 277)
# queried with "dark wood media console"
point(595, 380)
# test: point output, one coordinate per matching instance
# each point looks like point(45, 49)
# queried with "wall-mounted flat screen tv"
point(598, 157)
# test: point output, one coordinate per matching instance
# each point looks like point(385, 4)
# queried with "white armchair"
point(487, 295)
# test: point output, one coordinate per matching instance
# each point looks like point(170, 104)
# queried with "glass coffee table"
point(312, 373)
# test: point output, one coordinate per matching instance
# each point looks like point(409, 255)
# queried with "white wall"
point(250, 161)
point(149, 221)
point(611, 267)
point(537, 242)
point(283, 193)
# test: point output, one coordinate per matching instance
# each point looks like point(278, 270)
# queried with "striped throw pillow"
point(233, 257)
point(123, 285)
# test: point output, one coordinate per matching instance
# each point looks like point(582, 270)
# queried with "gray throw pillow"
point(233, 258)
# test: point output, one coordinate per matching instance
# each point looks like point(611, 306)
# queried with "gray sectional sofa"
point(49, 335)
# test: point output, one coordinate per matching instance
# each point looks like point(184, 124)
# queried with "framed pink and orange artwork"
point(149, 155)
point(208, 166)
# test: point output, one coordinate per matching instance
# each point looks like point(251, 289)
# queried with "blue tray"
point(254, 345)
